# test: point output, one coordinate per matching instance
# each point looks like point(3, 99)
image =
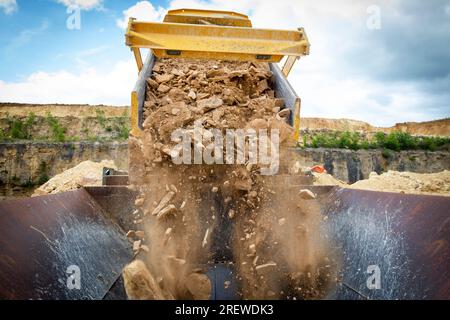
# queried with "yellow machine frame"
point(218, 35)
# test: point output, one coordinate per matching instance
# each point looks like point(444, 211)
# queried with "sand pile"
point(326, 179)
point(407, 182)
point(196, 215)
point(395, 181)
point(87, 173)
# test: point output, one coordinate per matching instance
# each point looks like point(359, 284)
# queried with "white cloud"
point(89, 86)
point(143, 11)
point(330, 82)
point(8, 6)
point(82, 4)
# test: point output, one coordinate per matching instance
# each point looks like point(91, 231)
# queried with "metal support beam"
point(175, 40)
point(138, 57)
point(290, 61)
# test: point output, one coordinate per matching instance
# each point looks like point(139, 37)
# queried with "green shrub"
point(395, 141)
point(58, 132)
point(19, 129)
point(100, 116)
point(121, 127)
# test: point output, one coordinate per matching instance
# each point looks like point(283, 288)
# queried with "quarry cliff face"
point(25, 165)
point(30, 164)
point(351, 166)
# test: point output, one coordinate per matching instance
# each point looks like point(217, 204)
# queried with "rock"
point(131, 234)
point(199, 286)
point(139, 202)
point(176, 94)
point(253, 194)
point(215, 189)
point(152, 83)
point(231, 213)
point(214, 73)
point(177, 72)
point(163, 88)
point(257, 124)
point(136, 245)
point(166, 211)
point(281, 221)
point(244, 185)
point(285, 113)
point(205, 238)
point(226, 284)
point(140, 234)
point(163, 203)
point(264, 267)
point(163, 78)
point(192, 95)
point(262, 86)
point(306, 194)
point(139, 283)
point(209, 104)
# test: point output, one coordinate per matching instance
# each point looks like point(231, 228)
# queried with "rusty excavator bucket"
point(44, 240)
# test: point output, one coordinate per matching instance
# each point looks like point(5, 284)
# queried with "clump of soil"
point(196, 215)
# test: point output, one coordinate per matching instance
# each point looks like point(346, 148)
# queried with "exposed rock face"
point(22, 162)
point(34, 163)
point(351, 166)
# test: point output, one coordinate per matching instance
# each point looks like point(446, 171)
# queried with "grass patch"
point(50, 129)
point(57, 131)
point(395, 141)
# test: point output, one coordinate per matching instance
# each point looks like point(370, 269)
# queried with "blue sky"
point(380, 61)
point(35, 37)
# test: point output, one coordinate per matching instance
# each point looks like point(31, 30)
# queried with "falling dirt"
point(198, 215)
